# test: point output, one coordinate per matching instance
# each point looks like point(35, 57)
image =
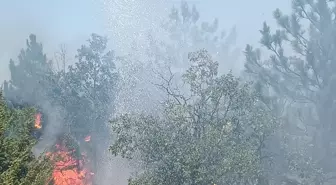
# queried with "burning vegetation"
point(38, 124)
point(57, 93)
point(68, 169)
point(71, 167)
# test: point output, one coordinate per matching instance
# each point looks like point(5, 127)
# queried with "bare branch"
point(167, 87)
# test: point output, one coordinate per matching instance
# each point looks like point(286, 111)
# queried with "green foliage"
point(301, 71)
point(18, 165)
point(30, 75)
point(86, 93)
point(213, 134)
point(88, 88)
point(83, 95)
point(309, 69)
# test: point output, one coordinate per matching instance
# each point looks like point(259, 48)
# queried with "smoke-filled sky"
point(71, 22)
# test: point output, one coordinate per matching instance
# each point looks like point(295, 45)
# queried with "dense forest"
point(272, 124)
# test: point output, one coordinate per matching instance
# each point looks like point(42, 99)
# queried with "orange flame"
point(38, 124)
point(69, 170)
point(87, 138)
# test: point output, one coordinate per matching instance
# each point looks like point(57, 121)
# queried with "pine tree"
point(30, 76)
point(302, 69)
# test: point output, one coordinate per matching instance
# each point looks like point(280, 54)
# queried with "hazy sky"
point(71, 21)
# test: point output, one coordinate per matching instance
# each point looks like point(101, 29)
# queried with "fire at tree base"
point(71, 166)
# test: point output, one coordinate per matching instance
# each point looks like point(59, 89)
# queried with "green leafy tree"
point(83, 95)
point(301, 69)
point(89, 86)
point(214, 134)
point(18, 165)
point(87, 92)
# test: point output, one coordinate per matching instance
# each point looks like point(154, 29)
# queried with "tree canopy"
point(82, 97)
point(300, 73)
point(30, 75)
point(214, 134)
point(18, 165)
